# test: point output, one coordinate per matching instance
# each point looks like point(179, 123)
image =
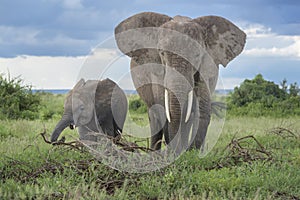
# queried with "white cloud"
point(104, 63)
point(46, 72)
point(43, 72)
point(262, 42)
point(256, 30)
point(228, 83)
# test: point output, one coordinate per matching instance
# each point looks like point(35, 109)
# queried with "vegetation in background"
point(17, 100)
point(256, 97)
point(137, 105)
point(52, 106)
point(259, 97)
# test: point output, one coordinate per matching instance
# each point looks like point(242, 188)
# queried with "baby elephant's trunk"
point(62, 124)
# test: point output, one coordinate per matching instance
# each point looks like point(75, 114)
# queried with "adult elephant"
point(174, 67)
point(93, 106)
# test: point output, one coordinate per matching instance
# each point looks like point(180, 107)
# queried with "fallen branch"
point(238, 153)
point(284, 195)
point(125, 145)
point(249, 154)
point(74, 144)
point(283, 132)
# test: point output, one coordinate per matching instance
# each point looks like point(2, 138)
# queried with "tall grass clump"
point(17, 100)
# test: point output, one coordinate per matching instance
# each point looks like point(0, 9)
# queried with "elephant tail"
point(217, 108)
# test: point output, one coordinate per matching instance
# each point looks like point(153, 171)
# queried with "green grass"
point(30, 168)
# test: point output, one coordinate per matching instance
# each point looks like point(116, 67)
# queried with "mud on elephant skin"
point(175, 65)
point(93, 106)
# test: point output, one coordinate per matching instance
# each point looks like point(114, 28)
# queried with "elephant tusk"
point(189, 107)
point(167, 106)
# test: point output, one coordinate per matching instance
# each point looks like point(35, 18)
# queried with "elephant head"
point(93, 106)
point(191, 51)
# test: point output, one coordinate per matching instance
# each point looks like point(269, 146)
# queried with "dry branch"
point(124, 144)
point(284, 195)
point(283, 132)
point(238, 152)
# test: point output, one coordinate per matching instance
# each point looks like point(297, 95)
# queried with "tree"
point(256, 90)
point(259, 97)
point(294, 89)
point(284, 85)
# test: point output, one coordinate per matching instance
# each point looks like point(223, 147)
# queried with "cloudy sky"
point(49, 42)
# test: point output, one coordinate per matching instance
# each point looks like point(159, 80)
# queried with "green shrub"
point(137, 105)
point(52, 105)
point(17, 100)
point(259, 97)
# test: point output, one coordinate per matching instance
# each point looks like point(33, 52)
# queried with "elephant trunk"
point(65, 121)
point(180, 105)
point(179, 83)
point(179, 90)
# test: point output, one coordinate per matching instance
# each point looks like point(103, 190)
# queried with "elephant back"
point(110, 104)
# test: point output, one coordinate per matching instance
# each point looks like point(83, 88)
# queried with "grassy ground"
point(31, 168)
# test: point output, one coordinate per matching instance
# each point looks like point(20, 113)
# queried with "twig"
point(74, 144)
point(132, 148)
point(281, 132)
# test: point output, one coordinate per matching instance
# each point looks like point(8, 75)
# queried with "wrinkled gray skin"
point(219, 42)
point(98, 106)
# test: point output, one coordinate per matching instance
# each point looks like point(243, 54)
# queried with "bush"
point(51, 105)
point(137, 105)
point(256, 90)
point(259, 97)
point(17, 101)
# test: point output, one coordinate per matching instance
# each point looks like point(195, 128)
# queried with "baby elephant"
point(94, 106)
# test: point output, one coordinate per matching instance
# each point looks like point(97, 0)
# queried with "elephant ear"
point(138, 33)
point(79, 84)
point(83, 101)
point(223, 40)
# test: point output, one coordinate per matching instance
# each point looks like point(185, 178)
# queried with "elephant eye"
point(81, 107)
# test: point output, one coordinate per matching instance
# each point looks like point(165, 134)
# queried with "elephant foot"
point(156, 141)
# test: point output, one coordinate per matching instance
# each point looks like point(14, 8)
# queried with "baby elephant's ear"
point(223, 40)
point(79, 84)
point(83, 102)
point(138, 32)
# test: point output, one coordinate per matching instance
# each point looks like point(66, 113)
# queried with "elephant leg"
point(204, 108)
point(201, 131)
point(204, 120)
point(166, 134)
point(156, 140)
point(156, 130)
